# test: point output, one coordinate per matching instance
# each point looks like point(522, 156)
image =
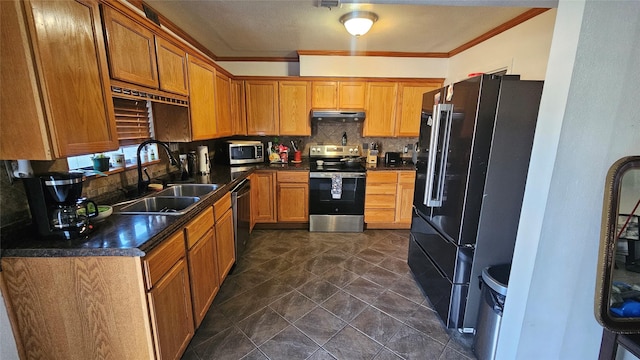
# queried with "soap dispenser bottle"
point(344, 138)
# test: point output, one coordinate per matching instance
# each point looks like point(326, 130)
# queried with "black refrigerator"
point(473, 156)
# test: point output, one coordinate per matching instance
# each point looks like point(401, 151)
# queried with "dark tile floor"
point(301, 295)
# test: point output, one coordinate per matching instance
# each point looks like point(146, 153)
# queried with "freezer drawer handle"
point(440, 124)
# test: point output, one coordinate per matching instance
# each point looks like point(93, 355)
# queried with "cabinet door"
point(203, 272)
point(351, 94)
point(172, 67)
point(262, 107)
point(225, 244)
point(263, 197)
point(202, 105)
point(293, 202)
point(381, 109)
point(77, 103)
point(380, 197)
point(24, 132)
point(324, 94)
point(295, 104)
point(238, 115)
point(171, 314)
point(132, 52)
point(410, 107)
point(404, 198)
point(223, 106)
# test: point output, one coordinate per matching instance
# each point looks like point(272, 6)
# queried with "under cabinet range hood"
point(340, 116)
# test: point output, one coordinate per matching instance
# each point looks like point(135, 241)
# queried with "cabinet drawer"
point(406, 177)
point(162, 258)
point(379, 215)
point(222, 205)
point(381, 177)
point(199, 226)
point(373, 201)
point(380, 189)
point(293, 176)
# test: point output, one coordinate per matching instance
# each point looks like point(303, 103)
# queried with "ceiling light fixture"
point(358, 23)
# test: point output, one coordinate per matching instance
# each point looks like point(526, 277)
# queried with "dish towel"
point(336, 186)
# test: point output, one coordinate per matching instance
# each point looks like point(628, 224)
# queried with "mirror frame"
point(607, 250)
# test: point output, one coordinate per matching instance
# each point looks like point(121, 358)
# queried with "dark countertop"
point(136, 235)
point(119, 234)
point(405, 165)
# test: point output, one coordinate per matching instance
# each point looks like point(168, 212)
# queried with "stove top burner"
point(334, 158)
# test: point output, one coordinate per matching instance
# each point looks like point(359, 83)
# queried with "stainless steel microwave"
point(238, 152)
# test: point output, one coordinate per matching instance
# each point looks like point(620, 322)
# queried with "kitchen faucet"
point(142, 184)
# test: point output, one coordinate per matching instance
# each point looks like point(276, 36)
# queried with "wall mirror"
point(617, 298)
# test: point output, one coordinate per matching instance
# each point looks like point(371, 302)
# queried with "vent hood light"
point(341, 116)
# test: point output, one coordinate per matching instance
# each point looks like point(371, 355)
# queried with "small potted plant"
point(100, 162)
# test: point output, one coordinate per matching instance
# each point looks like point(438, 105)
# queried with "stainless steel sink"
point(197, 190)
point(161, 205)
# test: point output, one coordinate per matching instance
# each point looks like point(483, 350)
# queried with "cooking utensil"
point(293, 145)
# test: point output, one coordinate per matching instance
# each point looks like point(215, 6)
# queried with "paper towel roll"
point(203, 160)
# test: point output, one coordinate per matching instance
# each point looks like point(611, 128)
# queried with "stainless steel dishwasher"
point(241, 206)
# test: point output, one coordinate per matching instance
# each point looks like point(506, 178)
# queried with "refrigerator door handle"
point(439, 124)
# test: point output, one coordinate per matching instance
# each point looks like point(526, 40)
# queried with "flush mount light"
point(358, 23)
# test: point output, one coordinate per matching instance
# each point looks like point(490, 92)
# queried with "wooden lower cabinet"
point(171, 313)
point(293, 196)
point(121, 307)
point(78, 307)
point(203, 264)
point(404, 197)
point(225, 241)
point(388, 199)
point(263, 188)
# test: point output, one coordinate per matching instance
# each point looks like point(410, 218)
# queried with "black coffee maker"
point(57, 206)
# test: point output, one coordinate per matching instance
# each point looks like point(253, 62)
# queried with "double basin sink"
point(174, 200)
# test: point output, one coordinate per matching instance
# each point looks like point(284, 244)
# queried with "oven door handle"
point(328, 175)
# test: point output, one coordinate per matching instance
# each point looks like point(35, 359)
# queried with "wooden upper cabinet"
point(238, 115)
point(172, 67)
point(351, 94)
point(324, 94)
point(202, 79)
point(48, 111)
point(295, 104)
point(381, 109)
point(132, 51)
point(223, 105)
point(410, 107)
point(262, 107)
point(338, 94)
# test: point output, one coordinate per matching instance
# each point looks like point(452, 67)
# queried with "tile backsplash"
point(14, 209)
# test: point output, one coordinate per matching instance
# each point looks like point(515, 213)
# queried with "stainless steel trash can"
point(494, 292)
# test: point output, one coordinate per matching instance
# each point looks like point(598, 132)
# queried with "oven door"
point(323, 202)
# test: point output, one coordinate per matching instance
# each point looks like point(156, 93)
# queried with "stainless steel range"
point(337, 180)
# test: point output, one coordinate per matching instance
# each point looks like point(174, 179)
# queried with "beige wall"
point(522, 50)
point(372, 66)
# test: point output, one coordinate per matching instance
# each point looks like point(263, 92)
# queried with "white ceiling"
point(279, 28)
